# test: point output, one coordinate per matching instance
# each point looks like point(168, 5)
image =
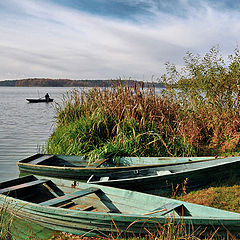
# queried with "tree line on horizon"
point(46, 82)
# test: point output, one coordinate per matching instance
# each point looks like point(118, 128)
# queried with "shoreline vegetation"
point(197, 114)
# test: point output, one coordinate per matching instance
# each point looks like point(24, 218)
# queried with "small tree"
point(208, 79)
point(208, 90)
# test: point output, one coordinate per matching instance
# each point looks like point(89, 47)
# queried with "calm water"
point(23, 125)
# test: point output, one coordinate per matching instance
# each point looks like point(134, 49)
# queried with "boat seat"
point(41, 159)
point(23, 185)
point(162, 173)
point(102, 179)
point(83, 208)
point(163, 210)
point(68, 197)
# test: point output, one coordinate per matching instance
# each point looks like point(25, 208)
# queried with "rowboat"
point(78, 167)
point(165, 180)
point(93, 210)
point(37, 100)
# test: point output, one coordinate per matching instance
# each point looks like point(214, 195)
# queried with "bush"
point(208, 90)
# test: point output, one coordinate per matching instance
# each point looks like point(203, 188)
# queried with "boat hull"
point(173, 178)
point(77, 168)
point(31, 100)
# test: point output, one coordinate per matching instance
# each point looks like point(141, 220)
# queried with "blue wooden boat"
point(94, 210)
point(79, 168)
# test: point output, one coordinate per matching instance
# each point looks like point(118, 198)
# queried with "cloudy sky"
point(104, 39)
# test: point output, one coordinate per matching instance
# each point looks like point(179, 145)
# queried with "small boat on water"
point(79, 168)
point(37, 100)
point(93, 210)
point(166, 179)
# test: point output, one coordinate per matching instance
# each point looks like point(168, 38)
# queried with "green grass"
point(225, 196)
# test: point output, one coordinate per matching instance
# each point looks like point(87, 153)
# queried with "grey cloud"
point(53, 41)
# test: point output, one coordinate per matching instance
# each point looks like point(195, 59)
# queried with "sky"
point(108, 39)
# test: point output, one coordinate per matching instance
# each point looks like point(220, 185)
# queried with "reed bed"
point(118, 121)
point(123, 121)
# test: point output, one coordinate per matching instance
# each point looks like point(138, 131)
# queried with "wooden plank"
point(68, 197)
point(41, 159)
point(164, 209)
point(23, 185)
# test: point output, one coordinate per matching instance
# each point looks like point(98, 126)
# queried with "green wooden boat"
point(93, 210)
point(164, 180)
point(77, 167)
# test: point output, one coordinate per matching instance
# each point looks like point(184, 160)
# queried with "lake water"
point(24, 126)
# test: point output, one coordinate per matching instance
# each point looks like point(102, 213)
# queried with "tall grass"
point(117, 121)
point(6, 221)
point(168, 231)
point(130, 121)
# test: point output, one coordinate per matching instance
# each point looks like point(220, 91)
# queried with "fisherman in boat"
point(47, 97)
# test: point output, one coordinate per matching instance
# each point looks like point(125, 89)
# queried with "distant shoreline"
point(46, 82)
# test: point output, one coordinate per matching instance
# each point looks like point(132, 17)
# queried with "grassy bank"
point(224, 196)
